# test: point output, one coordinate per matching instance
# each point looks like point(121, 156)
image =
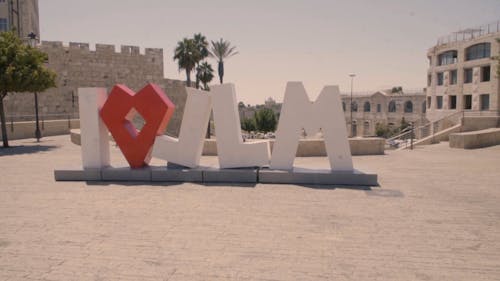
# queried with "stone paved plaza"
point(435, 216)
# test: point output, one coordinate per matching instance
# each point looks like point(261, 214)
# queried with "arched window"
point(424, 107)
point(354, 106)
point(447, 57)
point(408, 107)
point(392, 106)
point(478, 51)
point(343, 106)
point(367, 107)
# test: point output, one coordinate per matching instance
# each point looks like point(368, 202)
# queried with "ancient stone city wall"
point(77, 66)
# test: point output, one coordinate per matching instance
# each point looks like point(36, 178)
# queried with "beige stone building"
point(384, 107)
point(21, 15)
point(462, 73)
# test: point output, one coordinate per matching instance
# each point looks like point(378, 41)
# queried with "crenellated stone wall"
point(77, 66)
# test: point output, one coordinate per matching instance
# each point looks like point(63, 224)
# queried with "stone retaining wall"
point(475, 139)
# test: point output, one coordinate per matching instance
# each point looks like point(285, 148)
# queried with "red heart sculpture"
point(119, 110)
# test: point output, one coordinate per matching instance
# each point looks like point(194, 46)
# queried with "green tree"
point(204, 74)
point(248, 124)
point(187, 56)
point(22, 69)
point(202, 46)
point(265, 120)
point(222, 50)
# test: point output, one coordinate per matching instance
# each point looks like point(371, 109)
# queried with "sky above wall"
point(319, 42)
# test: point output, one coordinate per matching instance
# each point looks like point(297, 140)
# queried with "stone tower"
point(20, 15)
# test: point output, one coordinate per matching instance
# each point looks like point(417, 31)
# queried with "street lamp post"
point(38, 134)
point(352, 75)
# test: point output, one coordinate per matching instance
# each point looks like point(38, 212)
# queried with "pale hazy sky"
point(317, 42)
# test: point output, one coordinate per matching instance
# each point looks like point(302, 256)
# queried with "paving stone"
point(312, 176)
point(434, 217)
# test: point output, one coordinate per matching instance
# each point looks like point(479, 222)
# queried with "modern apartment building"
point(21, 16)
point(462, 73)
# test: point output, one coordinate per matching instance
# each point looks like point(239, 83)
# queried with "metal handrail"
point(470, 33)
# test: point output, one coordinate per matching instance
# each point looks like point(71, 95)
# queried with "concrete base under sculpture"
point(216, 175)
point(320, 177)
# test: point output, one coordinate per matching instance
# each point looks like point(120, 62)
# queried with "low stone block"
point(247, 175)
point(320, 177)
point(169, 174)
point(126, 174)
point(90, 174)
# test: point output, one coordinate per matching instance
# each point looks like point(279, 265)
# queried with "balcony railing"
point(470, 33)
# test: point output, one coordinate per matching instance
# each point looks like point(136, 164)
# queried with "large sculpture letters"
point(95, 143)
point(232, 152)
point(325, 113)
point(119, 110)
point(153, 105)
point(186, 151)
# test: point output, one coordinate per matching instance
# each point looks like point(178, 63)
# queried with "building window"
point(4, 25)
point(424, 107)
point(343, 106)
point(453, 77)
point(354, 128)
point(354, 106)
point(429, 79)
point(408, 107)
point(467, 101)
point(448, 57)
point(453, 102)
point(485, 73)
point(478, 51)
point(379, 107)
point(468, 75)
point(440, 78)
point(429, 100)
point(392, 106)
point(366, 128)
point(439, 102)
point(485, 101)
point(367, 107)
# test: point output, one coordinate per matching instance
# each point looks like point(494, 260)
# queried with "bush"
point(265, 120)
point(248, 124)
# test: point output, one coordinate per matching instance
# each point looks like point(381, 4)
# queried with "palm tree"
point(202, 46)
point(187, 56)
point(222, 50)
point(205, 74)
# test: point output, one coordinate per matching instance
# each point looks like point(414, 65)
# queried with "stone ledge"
point(306, 148)
point(126, 174)
point(475, 139)
point(165, 174)
point(78, 174)
point(215, 175)
point(320, 177)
